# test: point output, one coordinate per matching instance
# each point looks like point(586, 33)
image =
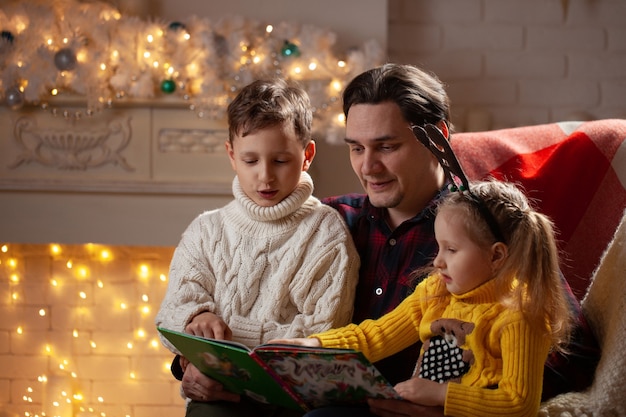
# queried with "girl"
point(487, 315)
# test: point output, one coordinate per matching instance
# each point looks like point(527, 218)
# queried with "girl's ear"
point(309, 154)
point(499, 253)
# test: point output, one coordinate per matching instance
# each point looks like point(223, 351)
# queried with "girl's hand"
point(302, 341)
point(209, 325)
point(422, 391)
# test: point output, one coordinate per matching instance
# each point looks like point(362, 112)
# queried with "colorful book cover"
point(296, 377)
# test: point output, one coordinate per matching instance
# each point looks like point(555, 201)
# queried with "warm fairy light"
point(82, 272)
point(312, 66)
point(341, 118)
point(103, 66)
point(150, 38)
point(144, 271)
point(155, 64)
point(269, 28)
point(146, 54)
point(83, 267)
point(336, 85)
point(15, 296)
point(4, 248)
point(341, 64)
point(54, 92)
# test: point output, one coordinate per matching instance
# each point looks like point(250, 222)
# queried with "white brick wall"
point(517, 62)
point(98, 354)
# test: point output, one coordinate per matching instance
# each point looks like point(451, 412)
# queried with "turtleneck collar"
point(289, 205)
point(485, 293)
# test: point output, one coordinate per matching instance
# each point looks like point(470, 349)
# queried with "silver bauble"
point(65, 59)
point(14, 98)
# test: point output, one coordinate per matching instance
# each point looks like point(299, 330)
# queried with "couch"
point(575, 172)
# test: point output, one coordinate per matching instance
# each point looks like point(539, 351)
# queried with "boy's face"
point(268, 163)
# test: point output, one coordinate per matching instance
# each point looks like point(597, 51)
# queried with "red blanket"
point(574, 171)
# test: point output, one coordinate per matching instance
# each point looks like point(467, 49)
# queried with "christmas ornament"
point(7, 36)
point(175, 26)
point(290, 49)
point(65, 59)
point(14, 98)
point(168, 86)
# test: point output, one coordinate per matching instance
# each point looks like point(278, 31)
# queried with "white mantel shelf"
point(136, 173)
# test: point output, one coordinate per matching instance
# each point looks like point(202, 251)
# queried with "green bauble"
point(290, 49)
point(168, 86)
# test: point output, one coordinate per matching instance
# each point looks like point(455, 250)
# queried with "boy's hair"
point(529, 278)
point(266, 103)
point(420, 96)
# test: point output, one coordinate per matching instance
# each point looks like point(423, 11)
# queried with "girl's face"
point(463, 263)
point(268, 163)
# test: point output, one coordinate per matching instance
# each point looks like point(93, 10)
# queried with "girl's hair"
point(529, 278)
point(266, 103)
point(421, 96)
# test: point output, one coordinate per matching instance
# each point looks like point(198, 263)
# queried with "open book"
point(291, 376)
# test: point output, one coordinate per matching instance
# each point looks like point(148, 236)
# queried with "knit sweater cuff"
point(250, 334)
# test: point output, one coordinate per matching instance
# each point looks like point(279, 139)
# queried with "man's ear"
point(443, 127)
point(499, 253)
point(309, 154)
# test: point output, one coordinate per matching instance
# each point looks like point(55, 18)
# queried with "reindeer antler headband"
point(432, 138)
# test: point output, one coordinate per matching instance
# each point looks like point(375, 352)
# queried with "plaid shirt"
point(388, 257)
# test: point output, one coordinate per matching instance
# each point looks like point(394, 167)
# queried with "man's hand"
point(200, 387)
point(209, 325)
point(400, 408)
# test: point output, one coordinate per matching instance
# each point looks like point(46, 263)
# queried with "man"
point(393, 223)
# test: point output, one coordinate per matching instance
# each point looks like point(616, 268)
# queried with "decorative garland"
point(67, 48)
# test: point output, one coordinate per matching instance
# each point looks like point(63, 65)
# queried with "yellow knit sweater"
point(503, 378)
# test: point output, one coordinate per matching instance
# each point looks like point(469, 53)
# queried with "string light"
point(126, 59)
point(60, 395)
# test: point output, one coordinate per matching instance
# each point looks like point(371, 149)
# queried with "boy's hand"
point(209, 325)
point(302, 341)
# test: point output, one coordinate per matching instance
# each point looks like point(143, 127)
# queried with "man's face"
point(396, 171)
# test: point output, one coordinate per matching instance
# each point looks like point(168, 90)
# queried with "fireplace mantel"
point(133, 174)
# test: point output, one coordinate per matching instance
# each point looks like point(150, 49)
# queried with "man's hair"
point(266, 103)
point(420, 96)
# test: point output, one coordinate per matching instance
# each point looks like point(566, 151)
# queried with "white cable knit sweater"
point(270, 272)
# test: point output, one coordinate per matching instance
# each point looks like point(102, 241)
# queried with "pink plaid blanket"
point(574, 171)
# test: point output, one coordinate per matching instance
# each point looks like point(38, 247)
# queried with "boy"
point(273, 263)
